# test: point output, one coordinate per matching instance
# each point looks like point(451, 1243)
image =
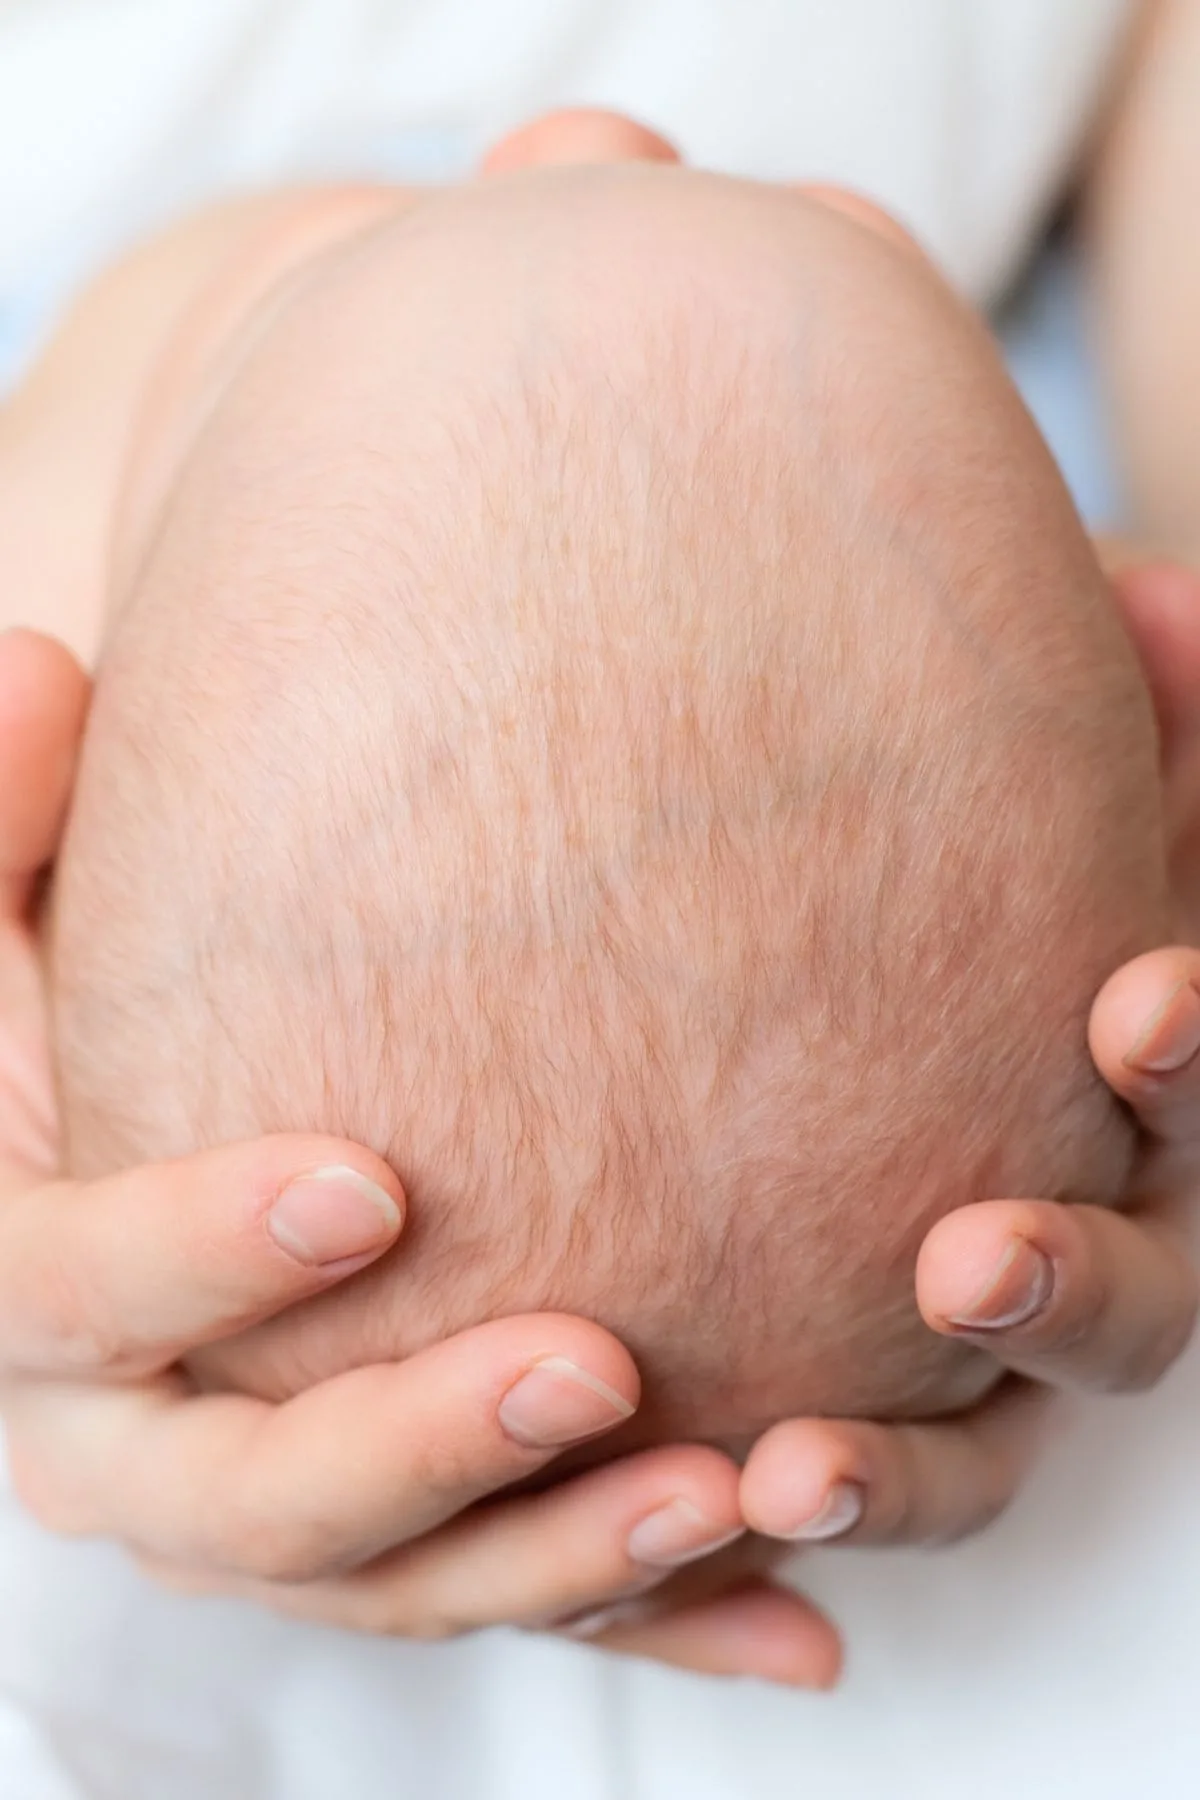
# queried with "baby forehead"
point(634, 274)
point(618, 401)
point(501, 355)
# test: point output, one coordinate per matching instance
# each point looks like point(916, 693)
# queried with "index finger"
point(338, 1474)
point(119, 1277)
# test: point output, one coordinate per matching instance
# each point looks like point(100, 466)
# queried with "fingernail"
point(1016, 1293)
point(1170, 1037)
point(329, 1215)
point(556, 1403)
point(839, 1512)
point(677, 1533)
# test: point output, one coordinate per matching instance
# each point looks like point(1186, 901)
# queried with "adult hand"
point(1061, 1296)
point(103, 1286)
point(360, 1502)
point(530, 1559)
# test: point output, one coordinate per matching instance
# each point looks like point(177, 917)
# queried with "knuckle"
point(91, 1350)
point(261, 1547)
point(895, 1502)
point(67, 1326)
point(1072, 1326)
point(1149, 1360)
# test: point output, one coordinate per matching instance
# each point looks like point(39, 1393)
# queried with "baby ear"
point(1160, 604)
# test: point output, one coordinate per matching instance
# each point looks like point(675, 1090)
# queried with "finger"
point(759, 1630)
point(334, 1476)
point(119, 1276)
point(756, 1630)
point(1160, 602)
point(43, 704)
point(1145, 1038)
point(1065, 1294)
point(815, 1480)
point(29, 1134)
point(534, 1559)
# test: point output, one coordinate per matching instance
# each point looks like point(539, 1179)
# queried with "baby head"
point(618, 715)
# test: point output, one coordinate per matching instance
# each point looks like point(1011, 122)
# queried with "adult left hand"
point(1060, 1296)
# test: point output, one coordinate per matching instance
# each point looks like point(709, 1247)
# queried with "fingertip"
point(505, 1350)
point(781, 1638)
point(967, 1258)
point(335, 1219)
point(1145, 1022)
point(793, 1473)
point(605, 1356)
point(759, 1632)
point(1077, 1295)
point(33, 660)
point(704, 1477)
point(44, 693)
point(773, 1635)
point(266, 1166)
point(44, 697)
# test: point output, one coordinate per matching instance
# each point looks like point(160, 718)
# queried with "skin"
point(510, 235)
point(1140, 203)
point(88, 1338)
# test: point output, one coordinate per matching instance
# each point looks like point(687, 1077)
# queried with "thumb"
point(1160, 604)
point(44, 698)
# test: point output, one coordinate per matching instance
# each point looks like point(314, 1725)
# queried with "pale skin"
point(102, 1289)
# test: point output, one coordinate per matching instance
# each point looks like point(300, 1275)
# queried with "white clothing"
point(964, 116)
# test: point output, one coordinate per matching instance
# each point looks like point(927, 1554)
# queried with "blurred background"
point(962, 117)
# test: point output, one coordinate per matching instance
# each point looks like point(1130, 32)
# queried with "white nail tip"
point(841, 1512)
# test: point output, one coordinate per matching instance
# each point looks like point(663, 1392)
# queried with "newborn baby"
point(607, 702)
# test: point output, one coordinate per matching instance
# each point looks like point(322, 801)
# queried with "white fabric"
point(1055, 1656)
point(963, 115)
